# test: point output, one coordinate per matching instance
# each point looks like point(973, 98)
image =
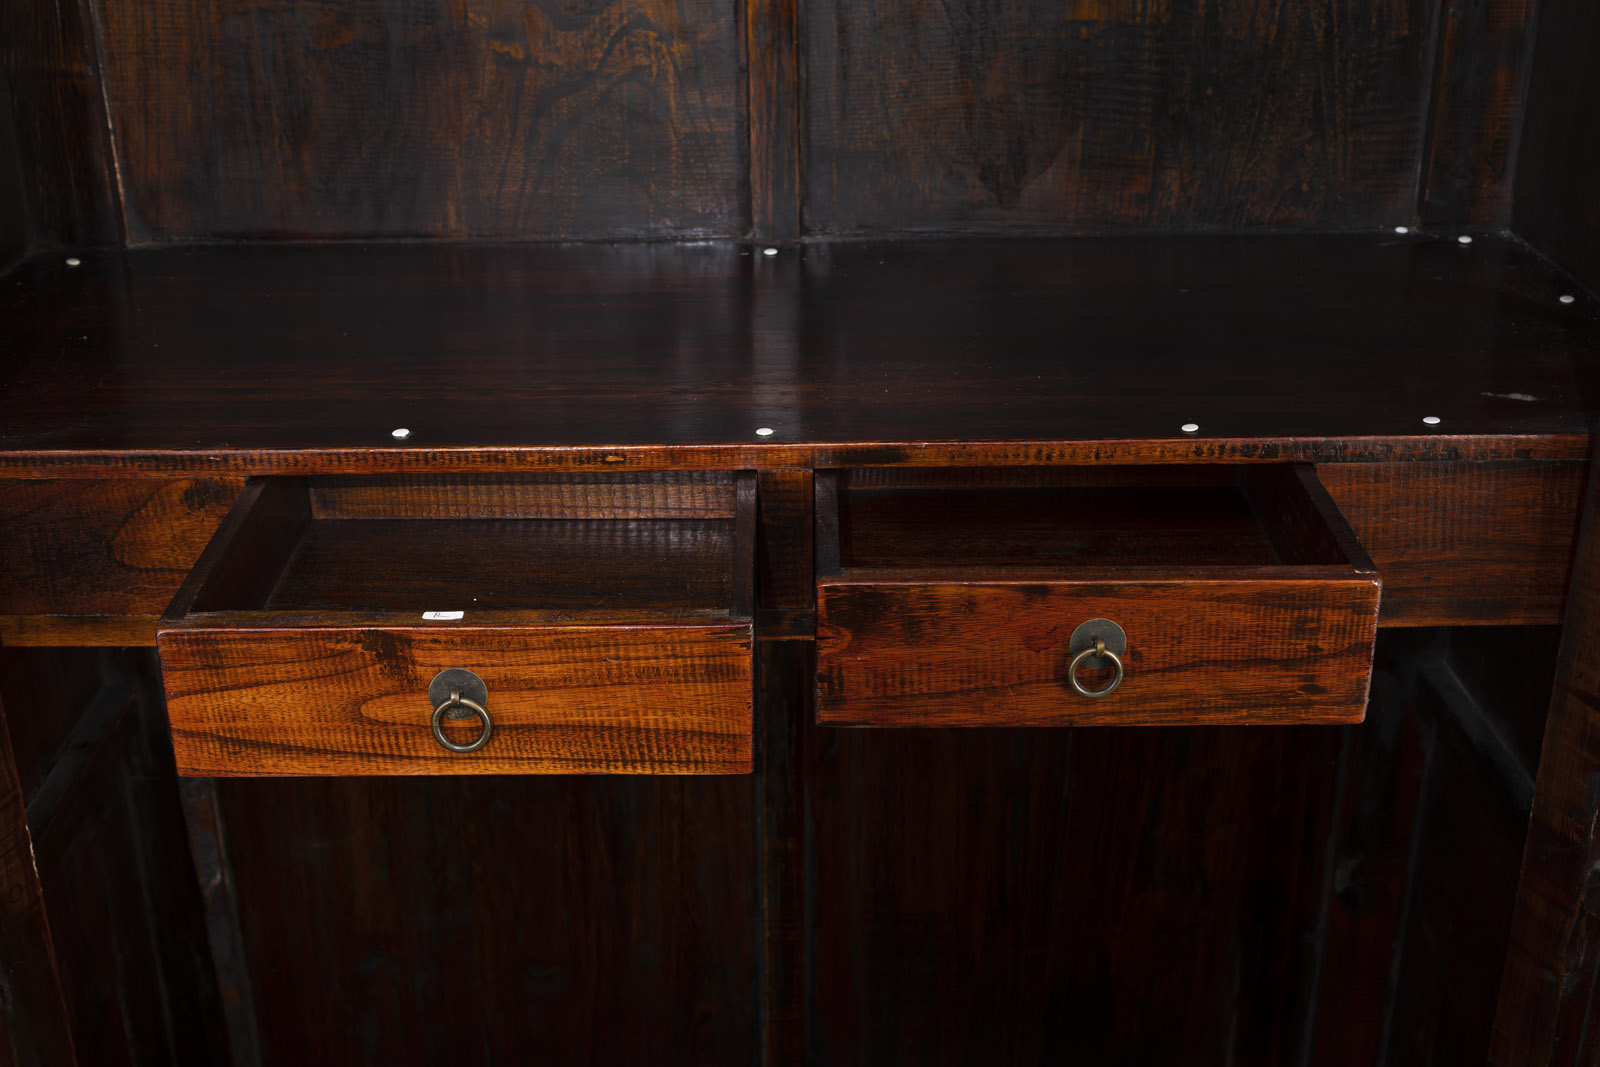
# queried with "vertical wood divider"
point(772, 60)
point(34, 1027)
point(1555, 930)
point(202, 815)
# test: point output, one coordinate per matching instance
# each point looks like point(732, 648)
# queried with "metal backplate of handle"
point(459, 694)
point(1098, 644)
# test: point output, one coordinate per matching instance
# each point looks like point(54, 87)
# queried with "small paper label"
point(442, 616)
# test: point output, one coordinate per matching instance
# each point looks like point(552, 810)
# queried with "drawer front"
point(996, 654)
point(348, 701)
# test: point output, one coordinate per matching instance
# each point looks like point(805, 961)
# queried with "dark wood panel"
point(1556, 208)
point(773, 63)
point(34, 1015)
point(1555, 940)
point(48, 54)
point(109, 843)
point(784, 713)
point(455, 920)
point(47, 690)
point(1479, 86)
point(786, 591)
point(15, 228)
point(1019, 352)
point(1463, 543)
point(1373, 848)
point(685, 495)
point(977, 114)
point(1468, 844)
point(1097, 896)
point(411, 118)
point(1091, 526)
point(93, 562)
point(628, 567)
point(208, 845)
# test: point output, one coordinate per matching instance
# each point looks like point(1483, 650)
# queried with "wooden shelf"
point(304, 358)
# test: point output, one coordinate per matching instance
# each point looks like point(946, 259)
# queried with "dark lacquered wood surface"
point(974, 114)
point(406, 119)
point(307, 357)
point(1556, 208)
point(604, 920)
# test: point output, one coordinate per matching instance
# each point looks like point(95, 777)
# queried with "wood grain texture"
point(405, 118)
point(1555, 206)
point(47, 690)
point(208, 846)
point(785, 590)
point(1423, 861)
point(685, 495)
point(784, 713)
point(51, 62)
point(630, 567)
point(1555, 934)
point(1466, 851)
point(108, 841)
point(1464, 543)
point(773, 66)
point(15, 227)
point(977, 115)
point(97, 562)
point(1142, 896)
point(500, 358)
point(605, 920)
point(36, 1028)
point(1204, 650)
point(671, 700)
point(1373, 845)
point(89, 857)
point(1480, 78)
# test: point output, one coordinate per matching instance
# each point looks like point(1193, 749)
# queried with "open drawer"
point(590, 624)
point(1222, 594)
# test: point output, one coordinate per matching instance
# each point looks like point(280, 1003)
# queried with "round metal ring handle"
point(458, 701)
point(1097, 649)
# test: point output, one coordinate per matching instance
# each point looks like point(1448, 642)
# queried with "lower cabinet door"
point(1137, 595)
point(445, 626)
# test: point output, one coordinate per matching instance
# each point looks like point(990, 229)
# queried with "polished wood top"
point(276, 358)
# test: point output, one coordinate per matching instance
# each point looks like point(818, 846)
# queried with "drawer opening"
point(563, 547)
point(1098, 517)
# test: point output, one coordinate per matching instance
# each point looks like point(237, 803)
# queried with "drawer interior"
point(580, 545)
point(1074, 517)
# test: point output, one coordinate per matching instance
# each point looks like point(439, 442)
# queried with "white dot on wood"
point(1568, 298)
point(1464, 239)
point(765, 431)
point(1190, 427)
point(74, 261)
point(401, 434)
point(1431, 420)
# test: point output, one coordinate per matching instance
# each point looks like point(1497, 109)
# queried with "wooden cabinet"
point(719, 386)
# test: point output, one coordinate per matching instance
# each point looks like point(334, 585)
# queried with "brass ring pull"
point(1097, 649)
point(458, 701)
